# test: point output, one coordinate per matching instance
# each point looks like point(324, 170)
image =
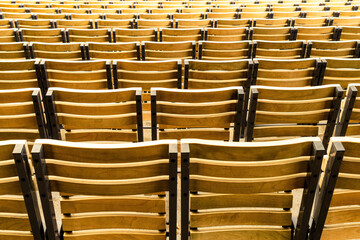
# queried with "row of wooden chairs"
point(208, 50)
point(198, 74)
point(241, 199)
point(117, 115)
point(197, 33)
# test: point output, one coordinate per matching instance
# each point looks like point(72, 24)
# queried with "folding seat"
point(92, 6)
point(247, 15)
point(283, 112)
point(336, 212)
point(106, 191)
point(155, 16)
point(187, 23)
point(66, 51)
point(73, 10)
point(216, 15)
point(227, 34)
point(254, 9)
point(26, 23)
point(313, 8)
point(153, 24)
point(154, 51)
point(7, 15)
point(36, 5)
point(189, 16)
point(194, 9)
point(104, 11)
point(129, 51)
point(315, 14)
point(42, 10)
point(134, 35)
point(147, 5)
point(277, 15)
point(342, 8)
point(279, 49)
point(273, 23)
point(20, 213)
point(348, 33)
point(6, 23)
point(77, 114)
point(348, 14)
point(209, 50)
point(203, 74)
point(10, 5)
point(111, 24)
point(315, 33)
point(235, 23)
point(180, 35)
point(13, 10)
point(22, 115)
point(147, 74)
point(42, 35)
point(14, 51)
point(85, 16)
point(287, 73)
point(281, 8)
point(271, 34)
point(182, 114)
point(63, 5)
point(84, 24)
point(337, 49)
point(311, 22)
point(243, 190)
point(134, 10)
point(122, 16)
point(225, 9)
point(75, 74)
point(88, 35)
point(345, 21)
point(341, 71)
point(118, 5)
point(50, 16)
point(163, 10)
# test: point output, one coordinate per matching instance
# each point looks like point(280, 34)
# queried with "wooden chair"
point(40, 16)
point(316, 33)
point(15, 74)
point(120, 16)
point(204, 114)
point(112, 205)
point(22, 115)
point(42, 24)
point(218, 15)
point(85, 24)
point(42, 35)
point(279, 15)
point(8, 35)
point(134, 35)
point(66, 51)
point(348, 14)
point(211, 50)
point(317, 14)
point(348, 33)
point(154, 51)
point(88, 35)
point(287, 73)
point(14, 51)
point(164, 9)
point(20, 212)
point(180, 35)
point(272, 23)
point(341, 71)
point(243, 190)
point(156, 24)
point(346, 21)
point(337, 49)
point(271, 34)
point(187, 23)
point(6, 23)
point(348, 121)
point(104, 11)
point(85, 16)
point(155, 16)
point(278, 112)
point(42, 10)
point(279, 49)
point(336, 208)
point(202, 74)
point(70, 11)
point(134, 10)
point(311, 22)
point(93, 115)
point(227, 34)
point(112, 24)
point(128, 51)
point(232, 23)
point(247, 15)
point(166, 73)
point(10, 15)
point(75, 74)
